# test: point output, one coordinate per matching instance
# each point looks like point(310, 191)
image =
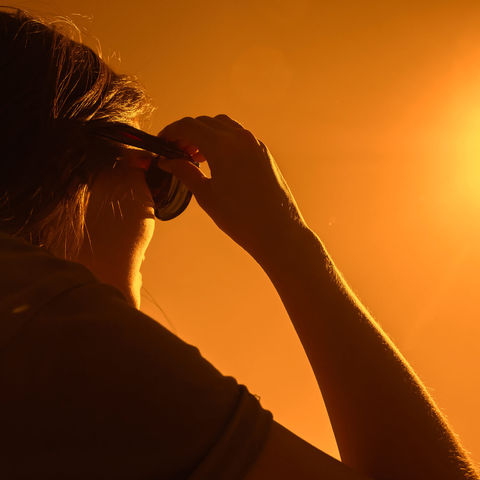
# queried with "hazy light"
point(261, 75)
point(467, 178)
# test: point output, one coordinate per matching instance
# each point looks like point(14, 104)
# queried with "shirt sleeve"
point(96, 389)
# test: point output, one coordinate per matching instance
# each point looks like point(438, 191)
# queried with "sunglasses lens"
point(171, 197)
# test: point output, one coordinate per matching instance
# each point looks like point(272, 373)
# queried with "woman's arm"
point(385, 423)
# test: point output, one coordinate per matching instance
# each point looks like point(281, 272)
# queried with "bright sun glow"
point(466, 179)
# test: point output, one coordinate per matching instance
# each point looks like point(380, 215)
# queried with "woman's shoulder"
point(30, 278)
point(113, 381)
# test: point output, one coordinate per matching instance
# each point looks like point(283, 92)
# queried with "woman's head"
point(48, 83)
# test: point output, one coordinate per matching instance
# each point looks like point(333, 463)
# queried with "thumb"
point(187, 172)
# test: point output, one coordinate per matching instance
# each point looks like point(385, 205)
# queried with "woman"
point(91, 387)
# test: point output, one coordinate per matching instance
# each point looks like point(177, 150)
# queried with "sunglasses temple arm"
point(137, 138)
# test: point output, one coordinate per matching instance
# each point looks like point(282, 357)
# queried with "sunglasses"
point(171, 197)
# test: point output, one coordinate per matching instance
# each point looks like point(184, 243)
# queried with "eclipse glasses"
point(171, 197)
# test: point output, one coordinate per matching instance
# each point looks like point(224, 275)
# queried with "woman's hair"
point(48, 83)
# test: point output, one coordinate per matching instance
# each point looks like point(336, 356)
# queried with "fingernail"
point(191, 150)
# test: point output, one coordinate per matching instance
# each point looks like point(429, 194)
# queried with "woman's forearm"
point(385, 423)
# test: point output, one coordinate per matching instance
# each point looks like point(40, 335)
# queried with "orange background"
point(372, 112)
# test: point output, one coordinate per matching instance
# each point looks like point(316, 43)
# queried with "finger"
point(172, 126)
point(192, 150)
point(221, 121)
point(225, 119)
point(198, 157)
point(187, 147)
point(195, 137)
point(189, 131)
point(187, 172)
point(181, 143)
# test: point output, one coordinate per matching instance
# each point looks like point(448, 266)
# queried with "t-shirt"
point(92, 388)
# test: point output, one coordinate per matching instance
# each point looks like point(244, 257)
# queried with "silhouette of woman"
point(92, 387)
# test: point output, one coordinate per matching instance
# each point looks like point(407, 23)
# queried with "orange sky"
point(372, 111)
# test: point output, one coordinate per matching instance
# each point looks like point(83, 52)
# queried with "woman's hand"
point(246, 196)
